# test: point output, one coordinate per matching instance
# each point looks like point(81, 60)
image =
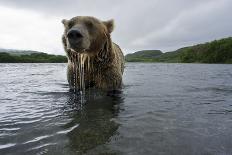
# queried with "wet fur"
point(106, 58)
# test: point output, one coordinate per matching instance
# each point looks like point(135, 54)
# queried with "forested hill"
point(218, 51)
point(21, 56)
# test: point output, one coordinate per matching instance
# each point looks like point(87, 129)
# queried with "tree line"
point(32, 58)
point(218, 51)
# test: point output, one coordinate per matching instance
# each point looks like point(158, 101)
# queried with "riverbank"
point(218, 51)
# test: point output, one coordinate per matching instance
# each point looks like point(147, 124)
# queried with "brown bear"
point(93, 59)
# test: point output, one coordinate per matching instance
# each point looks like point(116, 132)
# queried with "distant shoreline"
point(215, 52)
point(32, 58)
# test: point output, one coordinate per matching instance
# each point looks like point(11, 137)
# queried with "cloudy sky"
point(152, 24)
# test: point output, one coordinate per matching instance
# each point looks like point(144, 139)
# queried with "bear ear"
point(64, 21)
point(110, 25)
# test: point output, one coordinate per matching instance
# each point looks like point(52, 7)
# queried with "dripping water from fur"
point(80, 65)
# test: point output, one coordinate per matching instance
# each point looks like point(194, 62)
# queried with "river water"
point(164, 109)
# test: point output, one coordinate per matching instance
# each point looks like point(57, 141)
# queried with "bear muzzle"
point(74, 36)
point(77, 40)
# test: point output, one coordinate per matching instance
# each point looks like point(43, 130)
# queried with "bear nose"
point(74, 35)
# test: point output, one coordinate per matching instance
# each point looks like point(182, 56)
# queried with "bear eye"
point(70, 24)
point(89, 24)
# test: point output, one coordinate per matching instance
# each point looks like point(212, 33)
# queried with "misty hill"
point(218, 51)
point(18, 52)
point(24, 56)
point(152, 56)
point(145, 55)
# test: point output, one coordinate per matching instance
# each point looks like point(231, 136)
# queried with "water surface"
point(163, 109)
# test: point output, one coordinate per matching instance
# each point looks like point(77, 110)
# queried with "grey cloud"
point(151, 24)
point(207, 21)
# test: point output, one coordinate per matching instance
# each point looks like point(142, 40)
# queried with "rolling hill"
point(218, 51)
point(27, 56)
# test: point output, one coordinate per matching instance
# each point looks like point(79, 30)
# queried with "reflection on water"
point(73, 127)
point(39, 115)
point(163, 109)
point(94, 119)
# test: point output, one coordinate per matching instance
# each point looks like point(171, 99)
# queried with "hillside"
point(146, 55)
point(18, 56)
point(218, 51)
point(153, 56)
point(18, 52)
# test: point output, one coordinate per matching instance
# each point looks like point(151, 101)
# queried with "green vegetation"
point(153, 56)
point(17, 52)
point(218, 51)
point(31, 57)
point(143, 56)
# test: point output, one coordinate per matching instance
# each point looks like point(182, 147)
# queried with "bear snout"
point(74, 36)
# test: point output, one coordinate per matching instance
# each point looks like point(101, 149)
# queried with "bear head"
point(85, 34)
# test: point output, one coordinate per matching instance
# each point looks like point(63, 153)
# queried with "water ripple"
point(7, 145)
point(67, 130)
point(41, 146)
point(38, 139)
point(165, 108)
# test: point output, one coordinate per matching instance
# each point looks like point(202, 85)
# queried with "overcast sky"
point(139, 24)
